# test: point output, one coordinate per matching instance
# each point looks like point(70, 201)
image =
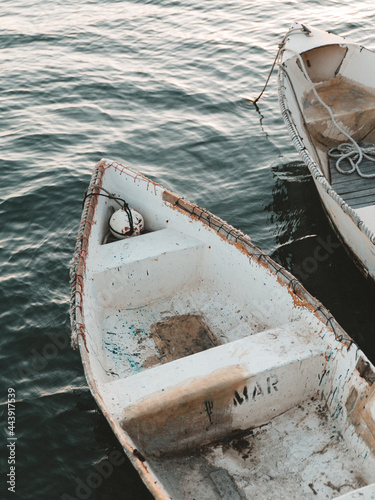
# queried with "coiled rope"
point(346, 151)
point(352, 151)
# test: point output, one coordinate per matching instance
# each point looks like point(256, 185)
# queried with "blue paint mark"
point(134, 364)
point(322, 377)
point(337, 412)
point(333, 395)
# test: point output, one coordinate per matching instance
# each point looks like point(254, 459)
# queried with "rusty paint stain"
point(365, 370)
point(351, 401)
point(358, 484)
point(359, 406)
point(311, 486)
point(180, 336)
point(186, 417)
point(87, 223)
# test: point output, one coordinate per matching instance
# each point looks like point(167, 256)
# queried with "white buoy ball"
point(119, 223)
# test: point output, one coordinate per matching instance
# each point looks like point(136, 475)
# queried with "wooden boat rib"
point(220, 375)
point(327, 98)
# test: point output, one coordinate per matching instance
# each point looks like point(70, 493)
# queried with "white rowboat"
point(327, 98)
point(220, 375)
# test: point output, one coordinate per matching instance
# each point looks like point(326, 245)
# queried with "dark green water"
point(161, 86)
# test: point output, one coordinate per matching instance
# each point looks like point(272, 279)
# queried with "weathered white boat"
point(327, 98)
point(219, 374)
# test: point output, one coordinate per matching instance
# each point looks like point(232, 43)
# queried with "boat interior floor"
point(286, 458)
point(356, 191)
point(353, 106)
point(170, 329)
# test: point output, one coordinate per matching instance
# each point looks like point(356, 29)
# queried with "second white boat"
point(327, 98)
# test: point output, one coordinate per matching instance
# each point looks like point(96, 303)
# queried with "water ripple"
point(163, 86)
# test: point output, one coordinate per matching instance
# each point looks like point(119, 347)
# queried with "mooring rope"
point(292, 31)
point(254, 101)
point(353, 153)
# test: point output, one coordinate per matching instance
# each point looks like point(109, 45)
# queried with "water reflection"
point(309, 248)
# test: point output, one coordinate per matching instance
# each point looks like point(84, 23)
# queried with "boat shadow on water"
point(309, 248)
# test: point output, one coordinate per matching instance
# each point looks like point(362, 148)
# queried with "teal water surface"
point(162, 86)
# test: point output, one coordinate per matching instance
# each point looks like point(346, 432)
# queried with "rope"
point(353, 152)
point(314, 169)
point(347, 152)
point(254, 101)
point(292, 31)
point(120, 201)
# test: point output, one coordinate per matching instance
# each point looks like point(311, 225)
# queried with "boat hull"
point(355, 242)
point(213, 365)
point(312, 131)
